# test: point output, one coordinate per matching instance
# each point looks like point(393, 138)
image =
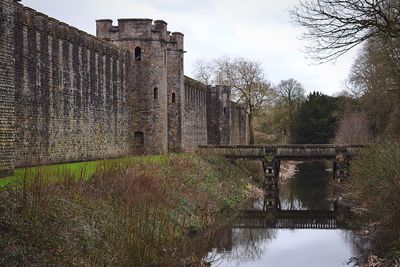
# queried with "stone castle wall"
point(195, 114)
point(69, 96)
point(7, 72)
point(70, 93)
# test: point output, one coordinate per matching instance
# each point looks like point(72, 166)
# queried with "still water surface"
point(309, 189)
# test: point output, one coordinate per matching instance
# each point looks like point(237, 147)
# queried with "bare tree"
point(290, 93)
point(375, 81)
point(353, 129)
point(336, 26)
point(246, 77)
point(204, 71)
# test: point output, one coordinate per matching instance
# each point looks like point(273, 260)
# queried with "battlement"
point(220, 89)
point(176, 40)
point(192, 83)
point(43, 23)
point(138, 29)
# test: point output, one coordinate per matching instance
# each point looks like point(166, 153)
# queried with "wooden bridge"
point(283, 152)
point(271, 156)
point(286, 219)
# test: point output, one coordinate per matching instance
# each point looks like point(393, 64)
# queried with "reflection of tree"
point(248, 245)
point(359, 247)
point(309, 189)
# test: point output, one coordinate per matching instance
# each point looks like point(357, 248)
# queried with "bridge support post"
point(341, 165)
point(271, 188)
point(334, 170)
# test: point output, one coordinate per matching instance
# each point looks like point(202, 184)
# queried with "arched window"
point(173, 98)
point(138, 54)
point(155, 92)
point(225, 110)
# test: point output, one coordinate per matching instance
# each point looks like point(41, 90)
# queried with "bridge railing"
point(308, 151)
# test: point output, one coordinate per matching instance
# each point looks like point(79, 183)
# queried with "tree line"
point(366, 112)
point(280, 113)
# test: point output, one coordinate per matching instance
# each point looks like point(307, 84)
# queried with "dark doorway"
point(138, 141)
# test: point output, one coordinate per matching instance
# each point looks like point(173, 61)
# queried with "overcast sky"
point(256, 29)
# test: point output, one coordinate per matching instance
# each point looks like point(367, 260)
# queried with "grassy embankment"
point(133, 211)
point(375, 185)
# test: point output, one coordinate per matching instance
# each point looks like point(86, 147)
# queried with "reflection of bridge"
point(290, 219)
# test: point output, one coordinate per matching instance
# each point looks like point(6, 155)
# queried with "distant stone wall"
point(239, 124)
point(7, 105)
point(70, 93)
point(227, 121)
point(194, 115)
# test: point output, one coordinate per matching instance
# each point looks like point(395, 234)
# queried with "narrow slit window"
point(155, 93)
point(173, 98)
point(138, 54)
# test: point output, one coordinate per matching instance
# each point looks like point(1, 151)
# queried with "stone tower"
point(148, 86)
point(219, 115)
point(176, 91)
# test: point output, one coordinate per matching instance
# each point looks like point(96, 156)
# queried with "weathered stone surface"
point(176, 92)
point(68, 96)
point(70, 93)
point(7, 72)
point(227, 121)
point(194, 115)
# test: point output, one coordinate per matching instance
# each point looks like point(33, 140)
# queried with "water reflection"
point(302, 231)
point(310, 188)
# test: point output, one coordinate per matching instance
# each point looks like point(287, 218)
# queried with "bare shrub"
point(353, 129)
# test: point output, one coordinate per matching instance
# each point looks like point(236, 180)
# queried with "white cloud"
point(259, 30)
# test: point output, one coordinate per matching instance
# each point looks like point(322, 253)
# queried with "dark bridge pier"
point(271, 190)
point(272, 155)
point(341, 164)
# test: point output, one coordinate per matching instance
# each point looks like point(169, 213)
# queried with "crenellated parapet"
point(175, 41)
point(30, 18)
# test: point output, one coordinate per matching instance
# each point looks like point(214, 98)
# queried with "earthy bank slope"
point(131, 212)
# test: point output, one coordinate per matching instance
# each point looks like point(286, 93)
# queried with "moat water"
point(292, 241)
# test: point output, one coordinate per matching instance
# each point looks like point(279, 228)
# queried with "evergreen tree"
point(316, 120)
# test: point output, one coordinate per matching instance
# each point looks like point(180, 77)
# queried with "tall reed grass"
point(131, 212)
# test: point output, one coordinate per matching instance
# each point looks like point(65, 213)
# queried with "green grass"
point(140, 210)
point(76, 171)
